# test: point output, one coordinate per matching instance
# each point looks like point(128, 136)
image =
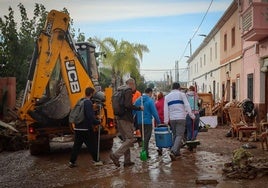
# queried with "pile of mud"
point(12, 136)
point(245, 166)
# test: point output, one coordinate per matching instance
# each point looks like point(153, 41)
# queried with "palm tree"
point(122, 57)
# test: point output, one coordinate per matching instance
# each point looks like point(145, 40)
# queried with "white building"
point(204, 63)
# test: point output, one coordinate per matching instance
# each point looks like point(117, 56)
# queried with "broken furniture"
point(239, 125)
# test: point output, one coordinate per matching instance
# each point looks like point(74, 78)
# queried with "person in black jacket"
point(125, 127)
point(84, 132)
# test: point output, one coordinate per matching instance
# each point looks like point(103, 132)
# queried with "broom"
point(143, 153)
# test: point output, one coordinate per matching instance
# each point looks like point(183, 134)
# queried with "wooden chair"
point(239, 125)
point(263, 134)
point(264, 140)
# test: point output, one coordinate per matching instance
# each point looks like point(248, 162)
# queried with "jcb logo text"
point(72, 76)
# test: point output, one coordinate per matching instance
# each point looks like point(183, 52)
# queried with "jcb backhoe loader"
point(59, 73)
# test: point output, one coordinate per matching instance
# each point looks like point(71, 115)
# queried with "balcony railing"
point(255, 22)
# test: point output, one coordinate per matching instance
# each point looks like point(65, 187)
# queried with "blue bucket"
point(163, 137)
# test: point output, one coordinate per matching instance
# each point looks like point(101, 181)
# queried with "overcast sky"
point(165, 26)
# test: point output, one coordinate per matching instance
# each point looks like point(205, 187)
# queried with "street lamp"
point(202, 35)
point(190, 42)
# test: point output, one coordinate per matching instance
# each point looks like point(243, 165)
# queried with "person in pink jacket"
point(159, 104)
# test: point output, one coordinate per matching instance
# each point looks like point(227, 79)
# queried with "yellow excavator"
point(59, 73)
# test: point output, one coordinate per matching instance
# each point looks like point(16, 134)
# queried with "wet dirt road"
point(20, 169)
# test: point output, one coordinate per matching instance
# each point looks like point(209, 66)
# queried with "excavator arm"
point(55, 49)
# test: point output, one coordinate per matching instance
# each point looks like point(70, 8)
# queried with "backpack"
point(77, 114)
point(193, 101)
point(118, 101)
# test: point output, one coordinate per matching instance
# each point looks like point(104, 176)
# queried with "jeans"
point(190, 124)
point(178, 129)
point(147, 136)
point(126, 129)
point(87, 137)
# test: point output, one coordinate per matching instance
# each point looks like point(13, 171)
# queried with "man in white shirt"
point(176, 107)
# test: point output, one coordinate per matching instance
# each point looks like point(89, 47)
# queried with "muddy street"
point(20, 169)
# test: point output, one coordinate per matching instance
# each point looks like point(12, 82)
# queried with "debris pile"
point(245, 166)
point(12, 136)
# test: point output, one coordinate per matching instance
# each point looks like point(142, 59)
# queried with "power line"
point(196, 31)
point(161, 70)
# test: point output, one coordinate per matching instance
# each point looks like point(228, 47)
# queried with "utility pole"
point(190, 44)
point(170, 77)
point(177, 76)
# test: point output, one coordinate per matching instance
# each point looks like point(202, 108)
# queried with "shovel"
point(99, 128)
point(143, 153)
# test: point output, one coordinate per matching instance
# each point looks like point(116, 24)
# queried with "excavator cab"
point(87, 53)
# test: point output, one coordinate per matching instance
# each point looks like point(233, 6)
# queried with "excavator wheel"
point(39, 146)
point(106, 143)
point(2, 143)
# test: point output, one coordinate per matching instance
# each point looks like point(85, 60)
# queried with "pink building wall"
point(251, 66)
point(8, 84)
point(254, 26)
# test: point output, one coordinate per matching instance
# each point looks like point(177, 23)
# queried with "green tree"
point(151, 85)
point(122, 57)
point(141, 85)
point(81, 36)
point(105, 78)
point(17, 43)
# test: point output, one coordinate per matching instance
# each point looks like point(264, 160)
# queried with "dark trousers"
point(87, 137)
point(190, 124)
point(147, 135)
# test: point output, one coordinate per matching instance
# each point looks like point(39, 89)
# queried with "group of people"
point(177, 109)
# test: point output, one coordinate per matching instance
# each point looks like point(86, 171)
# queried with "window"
point(233, 36)
point(204, 59)
point(250, 86)
point(227, 90)
point(210, 55)
point(216, 50)
point(233, 90)
point(225, 42)
point(218, 90)
point(201, 61)
point(223, 90)
point(214, 89)
point(237, 88)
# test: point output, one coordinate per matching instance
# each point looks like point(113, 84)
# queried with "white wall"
point(203, 67)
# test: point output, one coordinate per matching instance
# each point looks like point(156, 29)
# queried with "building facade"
point(230, 54)
point(254, 24)
point(215, 66)
point(240, 42)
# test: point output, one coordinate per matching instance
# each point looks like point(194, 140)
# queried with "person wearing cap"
point(176, 106)
point(190, 123)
